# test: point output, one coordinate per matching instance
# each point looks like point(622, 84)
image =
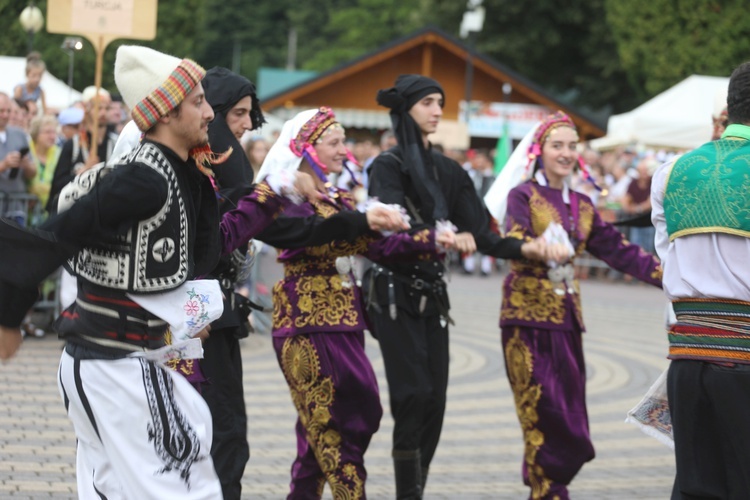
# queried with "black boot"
point(408, 474)
point(424, 478)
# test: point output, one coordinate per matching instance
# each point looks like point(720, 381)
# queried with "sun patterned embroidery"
point(542, 212)
point(175, 441)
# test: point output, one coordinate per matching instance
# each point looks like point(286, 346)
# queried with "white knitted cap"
point(153, 83)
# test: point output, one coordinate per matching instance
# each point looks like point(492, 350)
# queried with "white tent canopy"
point(57, 94)
point(678, 118)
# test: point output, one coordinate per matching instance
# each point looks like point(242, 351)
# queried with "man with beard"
point(140, 227)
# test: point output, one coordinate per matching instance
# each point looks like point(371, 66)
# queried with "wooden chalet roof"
point(430, 52)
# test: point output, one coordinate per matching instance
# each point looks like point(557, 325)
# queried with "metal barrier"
point(24, 208)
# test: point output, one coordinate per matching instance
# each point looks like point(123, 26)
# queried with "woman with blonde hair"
point(44, 154)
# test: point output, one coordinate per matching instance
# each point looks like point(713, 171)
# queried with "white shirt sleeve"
point(658, 186)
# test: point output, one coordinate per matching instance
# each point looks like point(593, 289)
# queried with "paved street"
point(480, 453)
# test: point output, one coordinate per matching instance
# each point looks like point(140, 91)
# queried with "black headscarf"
point(223, 90)
point(408, 91)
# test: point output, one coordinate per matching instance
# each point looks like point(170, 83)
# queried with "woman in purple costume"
point(540, 316)
point(319, 320)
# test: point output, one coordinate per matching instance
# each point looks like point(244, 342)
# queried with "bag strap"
point(409, 204)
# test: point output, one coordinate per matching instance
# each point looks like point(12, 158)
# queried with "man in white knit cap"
point(136, 229)
point(136, 233)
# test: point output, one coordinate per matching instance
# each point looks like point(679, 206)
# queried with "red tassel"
point(205, 158)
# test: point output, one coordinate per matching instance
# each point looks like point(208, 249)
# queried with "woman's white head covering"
point(517, 169)
point(129, 138)
point(281, 157)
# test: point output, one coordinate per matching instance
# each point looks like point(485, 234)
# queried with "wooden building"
point(350, 88)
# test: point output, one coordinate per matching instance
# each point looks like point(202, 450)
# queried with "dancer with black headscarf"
point(236, 110)
point(409, 302)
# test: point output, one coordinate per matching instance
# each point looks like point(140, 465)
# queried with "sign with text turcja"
point(102, 21)
point(105, 16)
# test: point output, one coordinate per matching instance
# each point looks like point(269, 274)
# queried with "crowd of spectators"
point(621, 193)
point(34, 139)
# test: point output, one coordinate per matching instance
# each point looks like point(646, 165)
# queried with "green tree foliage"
point(609, 54)
point(565, 47)
point(256, 30)
point(664, 41)
point(357, 27)
point(329, 32)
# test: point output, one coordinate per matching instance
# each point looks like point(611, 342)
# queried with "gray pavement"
point(479, 456)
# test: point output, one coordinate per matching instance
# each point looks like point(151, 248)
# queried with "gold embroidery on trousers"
point(520, 365)
point(312, 396)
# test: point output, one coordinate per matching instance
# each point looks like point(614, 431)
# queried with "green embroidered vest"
point(708, 190)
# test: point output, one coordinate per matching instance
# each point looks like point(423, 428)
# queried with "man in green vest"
point(701, 211)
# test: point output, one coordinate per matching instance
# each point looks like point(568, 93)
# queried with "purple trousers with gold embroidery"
point(547, 374)
point(335, 392)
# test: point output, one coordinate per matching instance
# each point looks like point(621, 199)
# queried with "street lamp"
point(471, 26)
point(32, 21)
point(70, 45)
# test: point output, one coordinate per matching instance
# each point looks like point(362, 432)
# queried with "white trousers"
point(143, 431)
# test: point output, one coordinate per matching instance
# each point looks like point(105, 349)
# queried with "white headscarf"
point(280, 157)
point(516, 170)
point(129, 138)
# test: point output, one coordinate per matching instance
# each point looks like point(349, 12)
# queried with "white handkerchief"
point(556, 235)
point(652, 414)
point(187, 349)
point(188, 309)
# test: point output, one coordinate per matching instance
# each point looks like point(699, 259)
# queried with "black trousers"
point(223, 391)
point(710, 405)
point(415, 354)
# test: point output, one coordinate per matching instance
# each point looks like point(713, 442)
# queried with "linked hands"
point(305, 186)
point(538, 249)
point(381, 217)
point(465, 243)
point(445, 239)
point(10, 341)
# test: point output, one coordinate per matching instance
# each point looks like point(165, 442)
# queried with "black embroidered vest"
point(152, 256)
